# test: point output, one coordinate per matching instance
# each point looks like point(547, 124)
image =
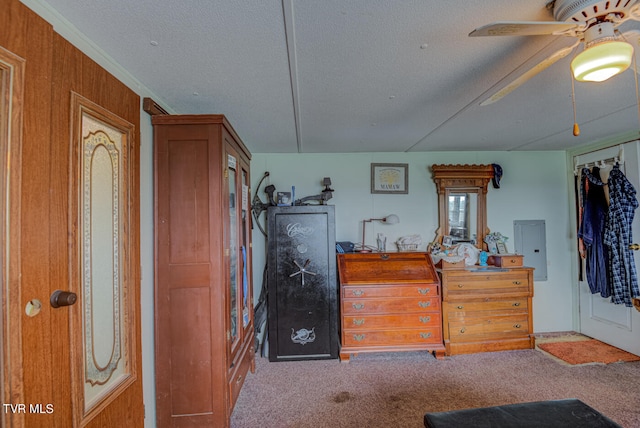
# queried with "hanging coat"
point(617, 236)
point(594, 218)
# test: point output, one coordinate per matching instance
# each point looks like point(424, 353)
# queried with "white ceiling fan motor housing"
point(590, 10)
point(599, 33)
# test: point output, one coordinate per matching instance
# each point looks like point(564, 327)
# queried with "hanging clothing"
point(617, 236)
point(592, 226)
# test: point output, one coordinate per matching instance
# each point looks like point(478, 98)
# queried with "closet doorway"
point(615, 324)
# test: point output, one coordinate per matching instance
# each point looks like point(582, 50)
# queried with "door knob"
point(62, 298)
point(634, 247)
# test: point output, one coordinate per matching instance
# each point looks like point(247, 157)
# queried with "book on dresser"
point(389, 302)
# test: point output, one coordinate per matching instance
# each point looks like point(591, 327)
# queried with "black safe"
point(301, 283)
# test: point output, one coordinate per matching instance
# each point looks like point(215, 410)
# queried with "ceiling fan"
point(592, 22)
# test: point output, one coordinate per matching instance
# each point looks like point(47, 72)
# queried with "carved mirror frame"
point(462, 179)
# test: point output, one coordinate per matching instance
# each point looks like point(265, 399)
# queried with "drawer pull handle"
point(516, 304)
point(425, 335)
point(358, 337)
point(517, 282)
point(424, 291)
point(358, 321)
point(425, 320)
point(460, 285)
point(462, 330)
point(424, 304)
point(517, 325)
point(513, 260)
point(358, 293)
point(384, 256)
point(459, 307)
point(358, 306)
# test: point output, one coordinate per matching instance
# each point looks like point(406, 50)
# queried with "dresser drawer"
point(403, 290)
point(237, 377)
point(506, 260)
point(468, 286)
point(488, 327)
point(411, 320)
point(391, 337)
point(390, 305)
point(461, 308)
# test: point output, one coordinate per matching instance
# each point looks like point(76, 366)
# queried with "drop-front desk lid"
point(386, 268)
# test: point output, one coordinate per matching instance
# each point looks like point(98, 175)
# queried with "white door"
point(600, 319)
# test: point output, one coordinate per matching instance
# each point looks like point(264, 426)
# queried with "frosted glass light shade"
point(391, 219)
point(602, 61)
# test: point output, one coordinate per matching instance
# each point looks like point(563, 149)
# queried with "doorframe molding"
point(12, 71)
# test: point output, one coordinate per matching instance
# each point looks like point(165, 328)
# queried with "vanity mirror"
point(462, 210)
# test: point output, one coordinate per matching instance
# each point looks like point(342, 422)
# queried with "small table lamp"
point(390, 219)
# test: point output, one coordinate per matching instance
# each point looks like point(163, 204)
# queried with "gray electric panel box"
point(530, 240)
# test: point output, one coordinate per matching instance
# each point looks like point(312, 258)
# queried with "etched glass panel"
point(102, 292)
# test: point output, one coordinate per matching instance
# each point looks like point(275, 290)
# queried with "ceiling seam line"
point(290, 40)
point(478, 99)
point(450, 118)
point(568, 129)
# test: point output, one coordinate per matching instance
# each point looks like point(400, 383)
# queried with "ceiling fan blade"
point(517, 77)
point(524, 28)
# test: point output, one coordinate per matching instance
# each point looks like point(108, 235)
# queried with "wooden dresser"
point(487, 309)
point(389, 302)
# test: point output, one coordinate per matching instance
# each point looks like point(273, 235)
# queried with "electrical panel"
point(530, 240)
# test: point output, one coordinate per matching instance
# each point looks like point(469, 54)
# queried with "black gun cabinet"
point(302, 283)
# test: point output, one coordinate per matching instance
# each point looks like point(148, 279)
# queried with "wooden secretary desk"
point(389, 302)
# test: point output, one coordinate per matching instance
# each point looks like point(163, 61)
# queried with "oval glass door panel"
point(103, 264)
point(102, 273)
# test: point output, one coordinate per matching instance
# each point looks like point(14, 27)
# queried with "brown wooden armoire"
point(203, 305)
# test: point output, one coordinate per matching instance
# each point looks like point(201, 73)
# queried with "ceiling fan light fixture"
point(601, 61)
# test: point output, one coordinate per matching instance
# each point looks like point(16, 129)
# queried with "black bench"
point(553, 414)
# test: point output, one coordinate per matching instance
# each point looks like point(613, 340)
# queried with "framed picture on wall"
point(390, 178)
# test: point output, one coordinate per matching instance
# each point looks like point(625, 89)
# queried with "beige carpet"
point(586, 351)
point(391, 390)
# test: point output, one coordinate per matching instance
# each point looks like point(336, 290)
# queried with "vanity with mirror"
point(484, 308)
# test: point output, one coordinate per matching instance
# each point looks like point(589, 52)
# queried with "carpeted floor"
point(397, 389)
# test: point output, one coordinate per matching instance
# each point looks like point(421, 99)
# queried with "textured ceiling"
point(356, 75)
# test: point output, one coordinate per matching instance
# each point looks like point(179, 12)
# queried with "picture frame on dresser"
point(390, 178)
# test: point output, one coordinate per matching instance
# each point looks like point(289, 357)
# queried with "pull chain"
point(576, 128)
point(635, 74)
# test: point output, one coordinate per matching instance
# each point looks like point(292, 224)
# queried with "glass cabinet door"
point(239, 238)
point(233, 246)
point(245, 240)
